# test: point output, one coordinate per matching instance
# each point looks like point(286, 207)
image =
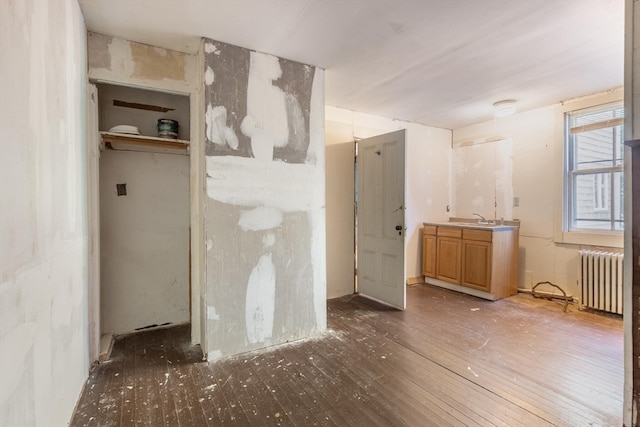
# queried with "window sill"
point(594, 238)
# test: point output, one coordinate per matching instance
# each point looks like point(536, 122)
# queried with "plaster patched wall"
point(266, 280)
point(114, 59)
point(43, 226)
point(482, 180)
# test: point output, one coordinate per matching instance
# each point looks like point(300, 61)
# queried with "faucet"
point(481, 219)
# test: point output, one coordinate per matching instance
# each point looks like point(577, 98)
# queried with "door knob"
point(398, 227)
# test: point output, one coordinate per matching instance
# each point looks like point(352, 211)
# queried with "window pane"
point(592, 201)
point(594, 149)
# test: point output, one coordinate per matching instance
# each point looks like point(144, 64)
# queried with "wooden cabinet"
point(476, 259)
point(429, 242)
point(449, 254)
point(482, 262)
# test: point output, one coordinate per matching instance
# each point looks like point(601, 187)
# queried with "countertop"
point(494, 225)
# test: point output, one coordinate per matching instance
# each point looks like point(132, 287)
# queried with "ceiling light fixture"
point(504, 108)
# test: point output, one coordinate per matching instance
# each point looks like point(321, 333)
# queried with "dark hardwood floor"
point(449, 359)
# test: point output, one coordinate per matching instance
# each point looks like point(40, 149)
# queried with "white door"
point(380, 218)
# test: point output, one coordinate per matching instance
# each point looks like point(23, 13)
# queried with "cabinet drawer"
point(479, 235)
point(429, 229)
point(454, 232)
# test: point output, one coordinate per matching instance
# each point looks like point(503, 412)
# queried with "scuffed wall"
point(265, 215)
point(427, 188)
point(43, 227)
point(144, 240)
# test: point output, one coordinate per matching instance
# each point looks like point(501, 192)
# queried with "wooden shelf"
point(123, 139)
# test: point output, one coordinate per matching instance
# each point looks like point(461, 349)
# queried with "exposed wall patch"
point(98, 44)
point(212, 314)
point(209, 76)
point(260, 300)
point(155, 63)
point(260, 218)
point(266, 120)
point(217, 130)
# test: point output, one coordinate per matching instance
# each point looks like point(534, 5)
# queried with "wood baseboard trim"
point(415, 280)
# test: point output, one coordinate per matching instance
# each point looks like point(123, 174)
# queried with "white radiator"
point(601, 276)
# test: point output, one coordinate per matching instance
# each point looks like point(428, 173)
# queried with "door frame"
point(196, 214)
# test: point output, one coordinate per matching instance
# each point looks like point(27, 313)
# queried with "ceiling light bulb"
point(504, 108)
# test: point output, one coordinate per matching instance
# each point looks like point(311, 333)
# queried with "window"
point(594, 169)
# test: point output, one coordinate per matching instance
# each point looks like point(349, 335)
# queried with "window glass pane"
point(593, 149)
point(594, 179)
point(591, 203)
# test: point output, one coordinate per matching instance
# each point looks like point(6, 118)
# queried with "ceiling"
point(437, 62)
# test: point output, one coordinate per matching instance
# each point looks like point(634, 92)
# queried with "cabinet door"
point(449, 259)
point(429, 255)
point(476, 265)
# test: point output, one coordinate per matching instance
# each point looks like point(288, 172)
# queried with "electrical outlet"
point(516, 201)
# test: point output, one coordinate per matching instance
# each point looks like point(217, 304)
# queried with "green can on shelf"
point(167, 128)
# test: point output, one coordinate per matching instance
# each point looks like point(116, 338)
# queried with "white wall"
point(536, 144)
point(483, 170)
point(428, 152)
point(43, 227)
point(144, 240)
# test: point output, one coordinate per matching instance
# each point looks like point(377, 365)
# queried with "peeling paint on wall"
point(265, 208)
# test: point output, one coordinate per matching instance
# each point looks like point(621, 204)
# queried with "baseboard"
point(106, 345)
point(415, 280)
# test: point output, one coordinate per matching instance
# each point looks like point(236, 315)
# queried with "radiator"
point(601, 277)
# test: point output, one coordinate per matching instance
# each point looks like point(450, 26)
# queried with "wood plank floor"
point(448, 360)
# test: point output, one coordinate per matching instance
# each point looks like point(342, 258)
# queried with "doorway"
point(141, 218)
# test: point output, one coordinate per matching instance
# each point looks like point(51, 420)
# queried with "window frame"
point(570, 174)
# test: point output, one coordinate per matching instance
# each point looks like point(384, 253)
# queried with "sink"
point(475, 224)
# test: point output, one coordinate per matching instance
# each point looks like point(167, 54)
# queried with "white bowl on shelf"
point(131, 130)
